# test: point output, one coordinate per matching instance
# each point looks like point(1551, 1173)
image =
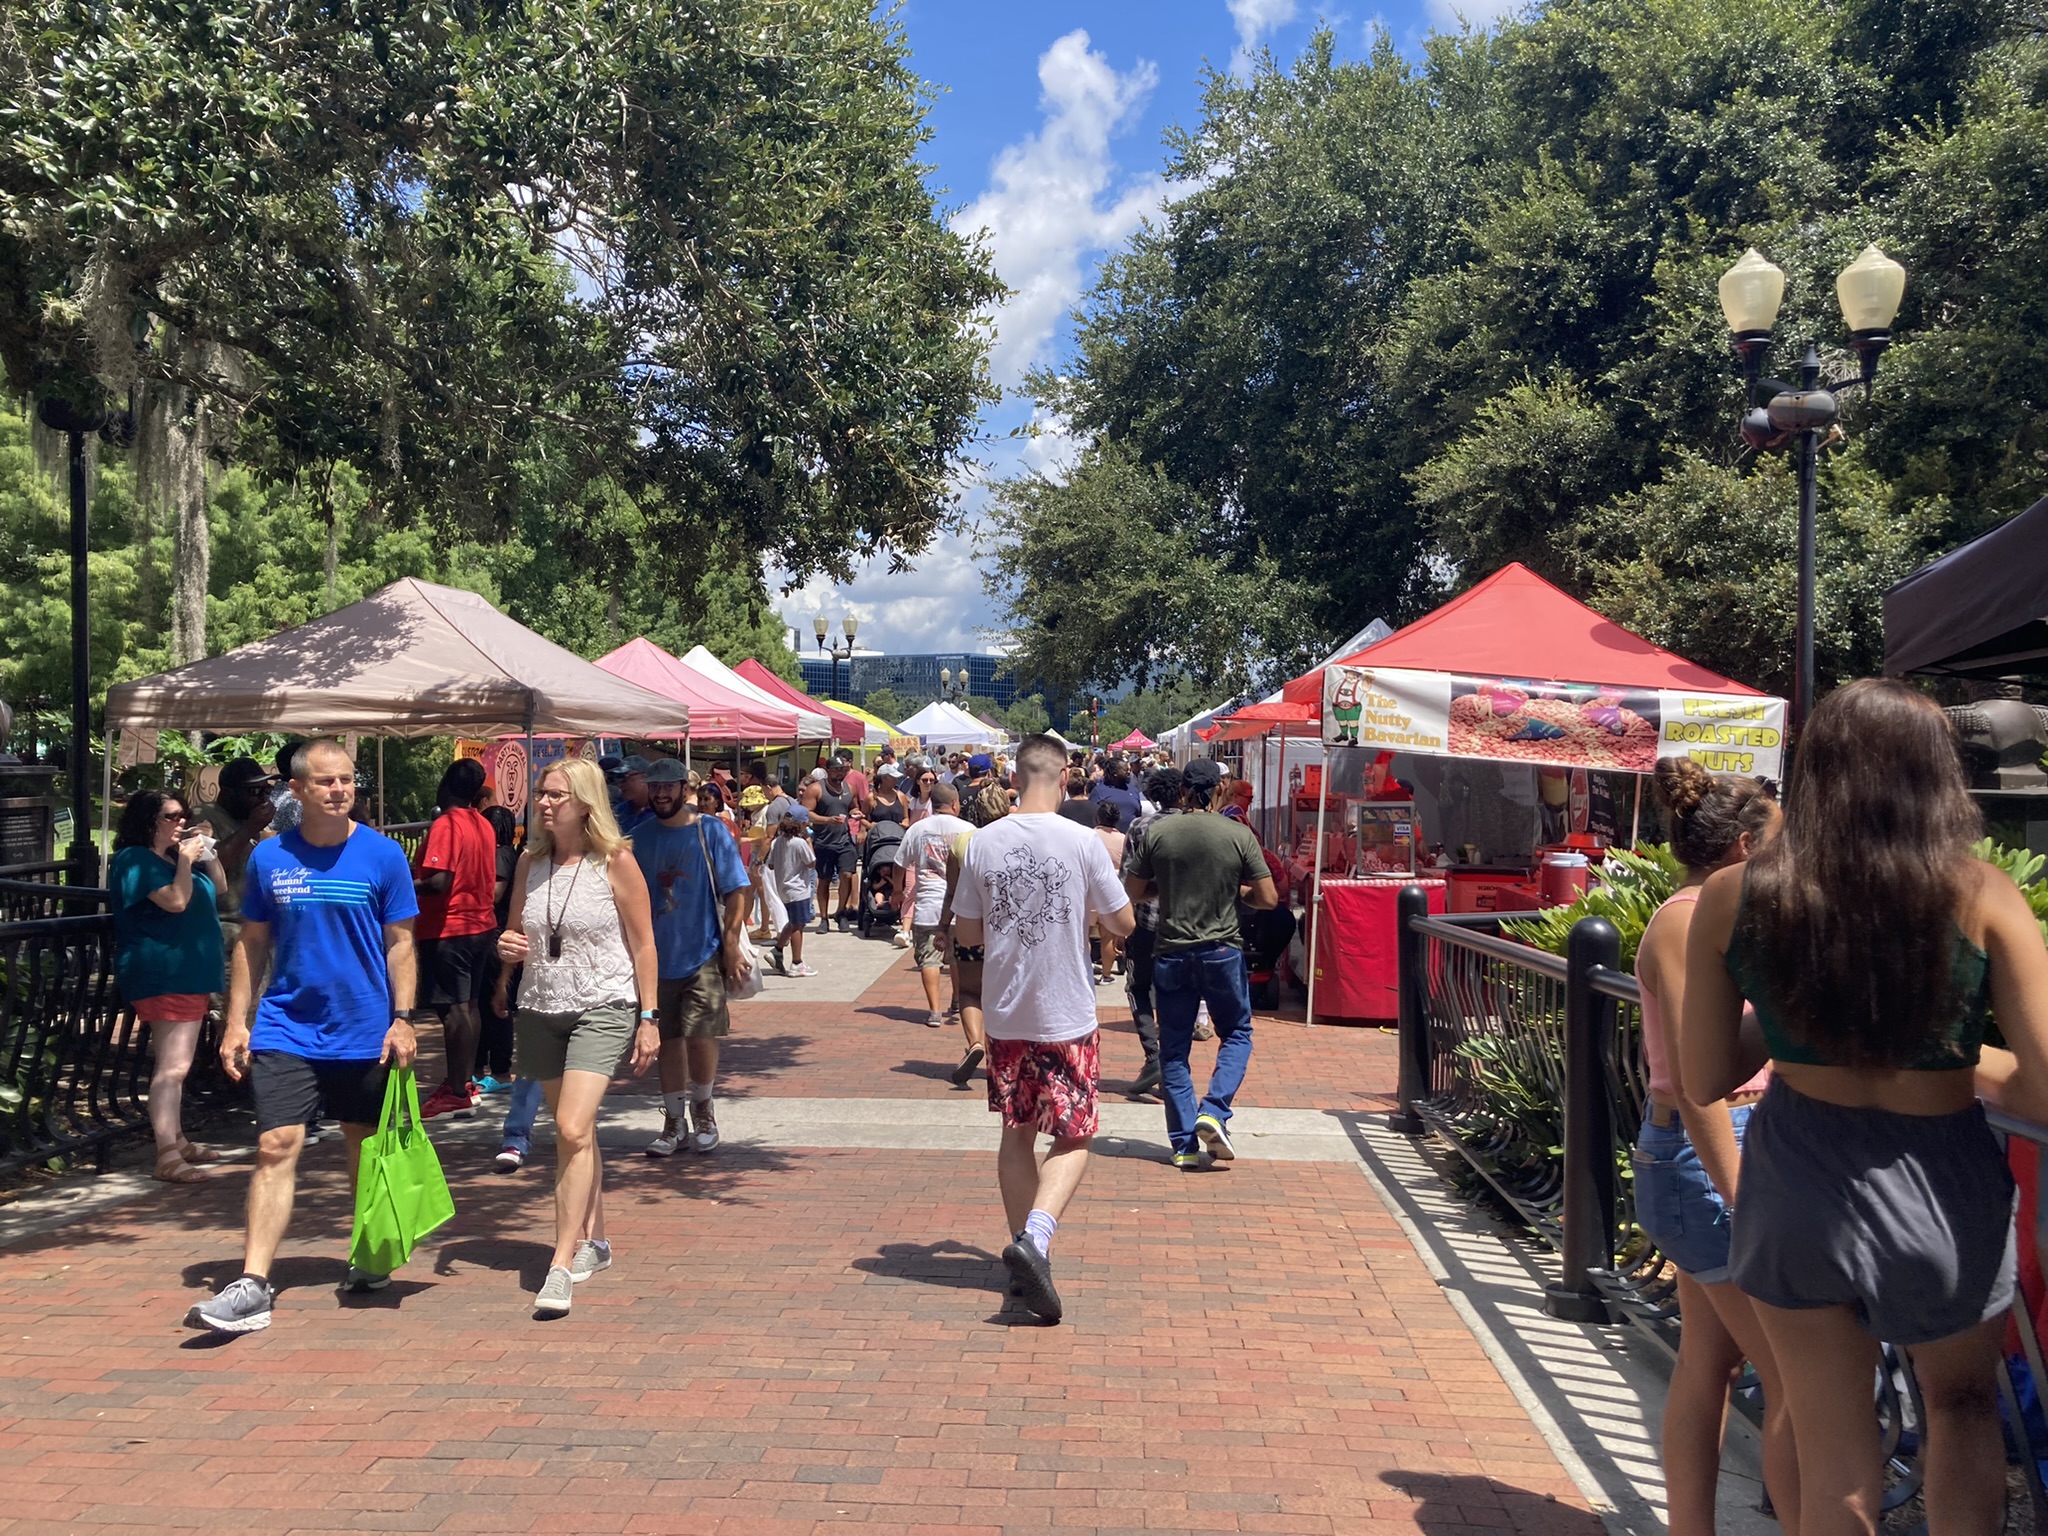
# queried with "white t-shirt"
point(924, 850)
point(795, 867)
point(1035, 880)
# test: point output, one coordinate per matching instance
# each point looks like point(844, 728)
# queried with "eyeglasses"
point(554, 796)
point(172, 816)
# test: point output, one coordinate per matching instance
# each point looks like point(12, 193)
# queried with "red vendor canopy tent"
point(1516, 624)
point(845, 727)
point(716, 714)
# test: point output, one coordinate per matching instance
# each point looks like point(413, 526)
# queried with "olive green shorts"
point(693, 1007)
point(596, 1040)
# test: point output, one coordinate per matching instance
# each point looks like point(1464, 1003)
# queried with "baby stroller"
point(880, 851)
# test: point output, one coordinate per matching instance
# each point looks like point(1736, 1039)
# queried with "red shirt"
point(465, 844)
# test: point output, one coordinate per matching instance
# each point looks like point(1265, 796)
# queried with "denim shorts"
point(1677, 1204)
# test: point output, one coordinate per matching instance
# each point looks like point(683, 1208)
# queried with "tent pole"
point(686, 751)
point(1635, 831)
point(1316, 899)
point(383, 819)
point(106, 803)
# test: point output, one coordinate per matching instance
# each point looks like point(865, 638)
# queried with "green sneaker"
point(1215, 1138)
point(1188, 1162)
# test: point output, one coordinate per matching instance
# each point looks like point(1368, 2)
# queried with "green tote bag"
point(401, 1194)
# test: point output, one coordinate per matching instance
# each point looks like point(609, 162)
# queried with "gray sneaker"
point(364, 1280)
point(673, 1132)
point(704, 1127)
point(556, 1292)
point(243, 1306)
point(589, 1259)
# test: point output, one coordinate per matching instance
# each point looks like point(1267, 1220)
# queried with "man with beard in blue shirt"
point(698, 884)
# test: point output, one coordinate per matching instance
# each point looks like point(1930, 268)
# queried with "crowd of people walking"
point(1829, 1000)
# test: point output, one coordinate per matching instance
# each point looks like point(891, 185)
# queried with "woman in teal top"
point(1875, 1203)
point(167, 956)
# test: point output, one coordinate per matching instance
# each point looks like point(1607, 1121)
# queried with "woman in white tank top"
point(581, 925)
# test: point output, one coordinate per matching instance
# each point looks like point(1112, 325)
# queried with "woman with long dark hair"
point(1686, 1166)
point(168, 957)
point(1875, 1203)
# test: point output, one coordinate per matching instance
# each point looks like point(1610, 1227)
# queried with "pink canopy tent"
point(845, 727)
point(1137, 741)
point(716, 714)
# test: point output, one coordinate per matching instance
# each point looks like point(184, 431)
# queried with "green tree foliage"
point(678, 248)
point(1405, 323)
point(1120, 571)
point(887, 704)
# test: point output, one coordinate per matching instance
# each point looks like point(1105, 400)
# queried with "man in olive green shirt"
point(1201, 865)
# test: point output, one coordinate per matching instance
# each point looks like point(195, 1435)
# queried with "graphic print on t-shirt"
point(1029, 897)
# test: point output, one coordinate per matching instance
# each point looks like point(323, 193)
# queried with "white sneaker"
point(900, 939)
point(935, 1021)
point(803, 970)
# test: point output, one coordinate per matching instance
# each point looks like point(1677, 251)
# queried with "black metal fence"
point(1530, 1067)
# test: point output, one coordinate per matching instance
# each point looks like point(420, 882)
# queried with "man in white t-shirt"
point(1030, 884)
point(923, 857)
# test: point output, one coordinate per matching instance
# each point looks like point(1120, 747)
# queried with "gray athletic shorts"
point(596, 1040)
point(1908, 1219)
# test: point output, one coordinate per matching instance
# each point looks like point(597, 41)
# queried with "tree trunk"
point(191, 570)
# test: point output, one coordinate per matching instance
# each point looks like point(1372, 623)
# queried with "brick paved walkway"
point(792, 1341)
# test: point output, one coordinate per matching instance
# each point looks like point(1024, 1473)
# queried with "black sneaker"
point(1032, 1272)
point(359, 1281)
point(243, 1306)
point(1147, 1080)
point(967, 1065)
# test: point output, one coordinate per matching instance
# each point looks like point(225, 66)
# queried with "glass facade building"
point(913, 677)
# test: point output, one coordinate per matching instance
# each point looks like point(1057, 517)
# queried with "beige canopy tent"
point(414, 659)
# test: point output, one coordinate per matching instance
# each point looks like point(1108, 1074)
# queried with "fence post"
point(1411, 986)
point(1589, 1019)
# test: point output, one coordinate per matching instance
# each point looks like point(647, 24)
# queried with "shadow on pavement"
point(743, 1056)
point(1455, 1504)
point(947, 1263)
point(503, 1255)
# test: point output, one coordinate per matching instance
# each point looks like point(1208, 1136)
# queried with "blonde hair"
point(601, 835)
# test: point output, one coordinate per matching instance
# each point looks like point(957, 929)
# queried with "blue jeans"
point(1181, 982)
point(520, 1114)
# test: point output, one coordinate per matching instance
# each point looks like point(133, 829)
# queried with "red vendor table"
point(1356, 956)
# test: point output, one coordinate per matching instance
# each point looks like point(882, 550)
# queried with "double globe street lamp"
point(1777, 414)
point(953, 686)
point(821, 626)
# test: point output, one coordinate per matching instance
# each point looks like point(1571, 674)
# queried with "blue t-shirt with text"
point(679, 863)
point(329, 997)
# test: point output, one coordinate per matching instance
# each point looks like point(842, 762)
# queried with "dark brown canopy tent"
point(1978, 611)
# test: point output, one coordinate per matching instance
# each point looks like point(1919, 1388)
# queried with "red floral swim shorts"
point(1046, 1084)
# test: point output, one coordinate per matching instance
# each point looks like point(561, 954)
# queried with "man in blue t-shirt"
point(698, 883)
point(328, 907)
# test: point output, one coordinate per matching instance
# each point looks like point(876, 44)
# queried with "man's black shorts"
point(831, 861)
point(457, 969)
point(291, 1089)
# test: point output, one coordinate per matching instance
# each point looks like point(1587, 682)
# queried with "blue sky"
point(1047, 134)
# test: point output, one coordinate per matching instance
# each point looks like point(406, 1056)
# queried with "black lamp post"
point(61, 415)
point(838, 652)
point(1777, 413)
point(953, 686)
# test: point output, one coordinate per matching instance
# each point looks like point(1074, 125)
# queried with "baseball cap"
point(612, 765)
point(635, 764)
point(245, 773)
point(666, 770)
point(888, 771)
point(1203, 773)
point(981, 762)
point(803, 817)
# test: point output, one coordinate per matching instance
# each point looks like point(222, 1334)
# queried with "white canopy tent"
point(810, 725)
point(940, 724)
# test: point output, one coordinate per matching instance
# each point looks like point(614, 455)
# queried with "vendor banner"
point(1568, 725)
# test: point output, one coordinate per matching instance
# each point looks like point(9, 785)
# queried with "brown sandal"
point(197, 1155)
point(173, 1169)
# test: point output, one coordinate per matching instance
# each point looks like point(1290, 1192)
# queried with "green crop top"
point(1957, 1045)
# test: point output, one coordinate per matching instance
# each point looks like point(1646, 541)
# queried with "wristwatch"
point(647, 1015)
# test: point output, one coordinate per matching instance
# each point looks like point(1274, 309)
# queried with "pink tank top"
point(1655, 1043)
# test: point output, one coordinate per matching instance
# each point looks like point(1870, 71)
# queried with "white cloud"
point(1450, 15)
point(1052, 200)
point(1256, 18)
